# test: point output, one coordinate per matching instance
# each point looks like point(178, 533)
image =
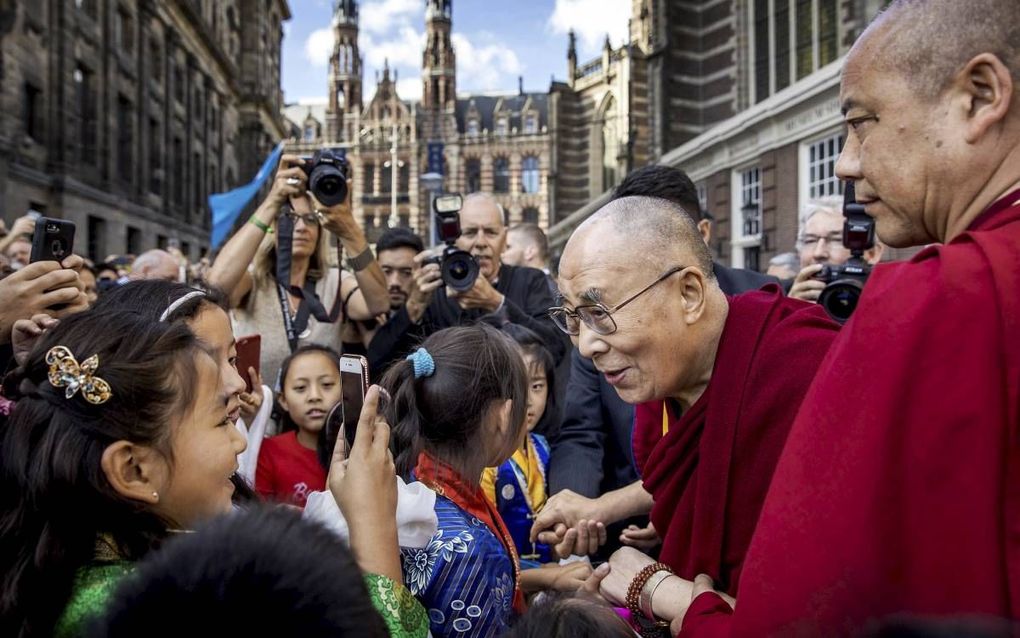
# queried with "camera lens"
point(839, 299)
point(328, 185)
point(460, 270)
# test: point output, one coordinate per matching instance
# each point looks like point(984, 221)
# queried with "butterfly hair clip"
point(66, 372)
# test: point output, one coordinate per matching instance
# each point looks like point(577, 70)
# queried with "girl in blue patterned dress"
point(458, 406)
point(518, 488)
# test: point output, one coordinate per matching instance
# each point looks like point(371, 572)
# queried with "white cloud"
point(487, 66)
point(409, 88)
point(319, 47)
point(402, 48)
point(592, 20)
point(381, 16)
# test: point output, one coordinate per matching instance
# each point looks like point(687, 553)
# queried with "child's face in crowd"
point(538, 391)
point(311, 388)
point(205, 445)
point(212, 326)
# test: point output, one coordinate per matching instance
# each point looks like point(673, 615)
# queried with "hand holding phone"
point(354, 387)
point(249, 352)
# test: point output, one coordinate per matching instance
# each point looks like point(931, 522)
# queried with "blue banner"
point(226, 207)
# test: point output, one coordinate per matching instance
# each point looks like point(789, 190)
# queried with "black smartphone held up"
point(354, 387)
point(53, 239)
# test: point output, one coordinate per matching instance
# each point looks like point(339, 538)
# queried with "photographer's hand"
point(805, 286)
point(481, 296)
point(427, 279)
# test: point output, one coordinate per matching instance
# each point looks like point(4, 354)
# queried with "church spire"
point(439, 66)
point(344, 69)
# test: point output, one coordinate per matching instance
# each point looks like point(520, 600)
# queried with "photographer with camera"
point(820, 244)
point(467, 282)
point(308, 195)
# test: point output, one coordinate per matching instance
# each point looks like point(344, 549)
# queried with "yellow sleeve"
point(489, 484)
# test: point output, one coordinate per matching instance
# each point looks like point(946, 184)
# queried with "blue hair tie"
point(422, 362)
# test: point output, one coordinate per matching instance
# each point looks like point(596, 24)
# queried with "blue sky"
point(495, 42)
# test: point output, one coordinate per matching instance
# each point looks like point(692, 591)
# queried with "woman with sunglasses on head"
point(246, 270)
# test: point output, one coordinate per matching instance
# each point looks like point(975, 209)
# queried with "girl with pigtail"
point(458, 406)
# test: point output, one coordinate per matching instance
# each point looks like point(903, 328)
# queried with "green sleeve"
point(404, 615)
point(93, 586)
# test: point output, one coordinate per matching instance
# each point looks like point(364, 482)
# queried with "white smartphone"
point(354, 386)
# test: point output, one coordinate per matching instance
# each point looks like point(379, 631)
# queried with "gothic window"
point(404, 178)
point(610, 145)
point(531, 123)
point(125, 139)
point(309, 134)
point(472, 126)
point(473, 175)
point(386, 178)
point(33, 112)
point(529, 215)
point(341, 101)
point(501, 175)
point(530, 176)
point(502, 125)
point(368, 170)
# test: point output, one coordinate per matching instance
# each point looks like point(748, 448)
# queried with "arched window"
point(530, 177)
point(501, 175)
point(368, 170)
point(529, 215)
point(473, 175)
point(610, 145)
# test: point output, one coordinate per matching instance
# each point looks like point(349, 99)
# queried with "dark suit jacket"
point(592, 453)
point(734, 281)
point(527, 302)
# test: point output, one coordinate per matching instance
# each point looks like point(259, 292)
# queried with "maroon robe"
point(899, 489)
point(709, 474)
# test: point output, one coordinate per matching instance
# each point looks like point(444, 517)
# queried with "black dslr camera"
point(845, 283)
point(459, 268)
point(327, 172)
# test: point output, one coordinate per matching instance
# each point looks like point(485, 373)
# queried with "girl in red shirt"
point(288, 467)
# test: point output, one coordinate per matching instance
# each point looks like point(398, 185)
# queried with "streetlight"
point(394, 165)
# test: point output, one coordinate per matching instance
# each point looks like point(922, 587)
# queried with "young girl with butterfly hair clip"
point(120, 437)
point(458, 406)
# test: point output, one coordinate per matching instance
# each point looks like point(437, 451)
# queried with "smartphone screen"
point(354, 385)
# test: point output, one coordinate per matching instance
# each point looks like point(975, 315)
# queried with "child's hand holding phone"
point(364, 485)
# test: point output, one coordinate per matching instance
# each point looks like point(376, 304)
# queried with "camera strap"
point(310, 302)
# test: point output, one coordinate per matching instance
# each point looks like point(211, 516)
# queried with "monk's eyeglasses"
point(596, 316)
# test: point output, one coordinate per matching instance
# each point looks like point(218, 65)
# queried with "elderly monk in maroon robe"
point(898, 493)
point(641, 302)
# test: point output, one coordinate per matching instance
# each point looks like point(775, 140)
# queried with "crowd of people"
point(630, 445)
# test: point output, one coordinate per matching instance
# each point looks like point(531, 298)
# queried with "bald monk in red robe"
point(735, 368)
point(898, 493)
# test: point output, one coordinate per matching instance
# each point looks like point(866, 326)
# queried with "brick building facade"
point(744, 96)
point(124, 116)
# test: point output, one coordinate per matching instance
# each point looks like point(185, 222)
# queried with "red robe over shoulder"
point(899, 488)
point(710, 472)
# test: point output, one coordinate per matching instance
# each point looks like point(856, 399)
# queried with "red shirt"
point(288, 471)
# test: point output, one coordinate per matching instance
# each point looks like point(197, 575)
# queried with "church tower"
point(439, 67)
point(344, 71)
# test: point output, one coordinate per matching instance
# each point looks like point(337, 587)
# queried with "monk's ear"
point(984, 89)
point(137, 472)
point(693, 296)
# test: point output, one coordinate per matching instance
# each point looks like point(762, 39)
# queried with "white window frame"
point(531, 123)
point(792, 18)
point(738, 240)
point(806, 180)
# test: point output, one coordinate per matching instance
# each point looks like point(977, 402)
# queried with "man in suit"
point(592, 454)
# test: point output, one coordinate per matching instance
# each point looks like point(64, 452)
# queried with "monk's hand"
point(805, 286)
point(643, 538)
point(562, 511)
point(624, 565)
point(702, 585)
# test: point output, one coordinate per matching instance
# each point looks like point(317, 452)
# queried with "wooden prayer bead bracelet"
point(640, 603)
